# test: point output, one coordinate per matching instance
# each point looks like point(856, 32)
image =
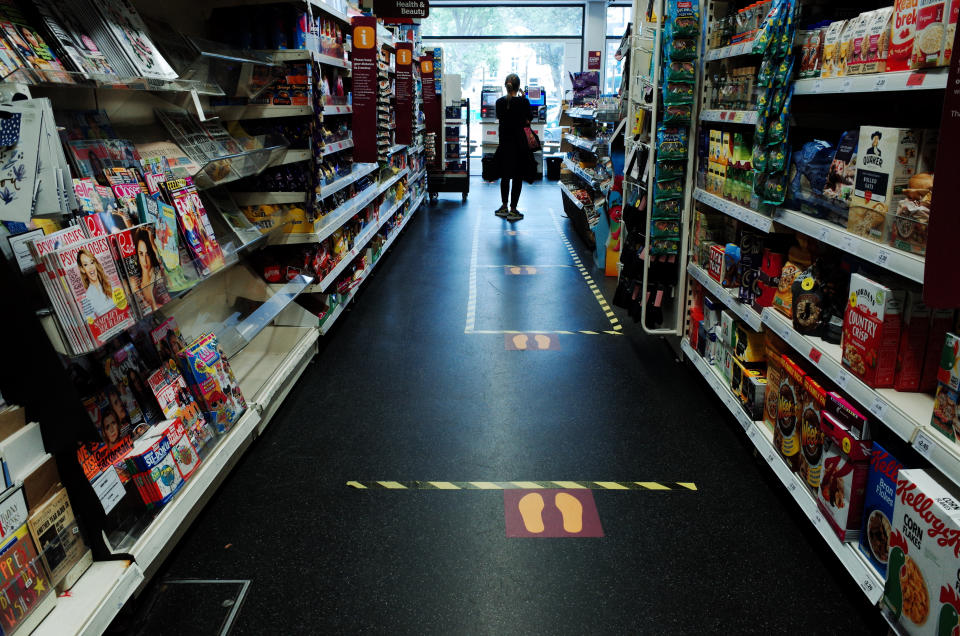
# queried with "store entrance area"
point(384, 495)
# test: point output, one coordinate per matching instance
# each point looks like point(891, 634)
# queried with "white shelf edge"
point(931, 79)
point(266, 198)
point(337, 109)
point(577, 202)
point(94, 601)
point(863, 574)
point(329, 322)
point(886, 405)
point(578, 171)
point(733, 50)
point(339, 184)
point(260, 111)
point(337, 147)
point(293, 156)
point(903, 263)
point(753, 218)
point(743, 311)
point(172, 521)
point(271, 396)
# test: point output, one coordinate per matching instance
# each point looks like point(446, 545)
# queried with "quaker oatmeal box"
point(931, 29)
point(924, 557)
point(886, 159)
point(871, 331)
point(846, 462)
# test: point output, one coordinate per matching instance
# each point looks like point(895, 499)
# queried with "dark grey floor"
point(400, 392)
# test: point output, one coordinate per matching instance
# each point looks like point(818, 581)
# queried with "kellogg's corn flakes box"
point(923, 568)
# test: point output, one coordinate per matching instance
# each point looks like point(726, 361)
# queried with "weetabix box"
point(871, 331)
point(924, 557)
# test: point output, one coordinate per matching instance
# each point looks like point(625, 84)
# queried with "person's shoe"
point(513, 215)
point(502, 211)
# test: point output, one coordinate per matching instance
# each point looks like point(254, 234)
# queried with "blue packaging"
point(878, 508)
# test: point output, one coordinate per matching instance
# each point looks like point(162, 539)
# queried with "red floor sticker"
point(531, 341)
point(551, 513)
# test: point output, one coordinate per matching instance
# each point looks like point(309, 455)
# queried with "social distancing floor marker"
point(531, 342)
point(471, 323)
point(523, 485)
point(551, 513)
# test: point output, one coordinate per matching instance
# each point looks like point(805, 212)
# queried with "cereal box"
point(859, 41)
point(787, 434)
point(945, 414)
point(924, 557)
point(185, 454)
point(931, 28)
point(846, 461)
point(716, 264)
point(949, 372)
point(940, 324)
point(886, 159)
point(752, 395)
point(902, 35)
point(913, 342)
point(728, 329)
point(831, 43)
point(878, 41)
point(951, 32)
point(878, 508)
point(871, 331)
point(771, 397)
point(848, 415)
point(749, 345)
point(811, 436)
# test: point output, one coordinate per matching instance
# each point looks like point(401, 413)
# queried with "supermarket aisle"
point(400, 392)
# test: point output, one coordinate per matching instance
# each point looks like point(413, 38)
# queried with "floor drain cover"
point(200, 607)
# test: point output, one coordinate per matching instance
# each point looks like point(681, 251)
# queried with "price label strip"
point(923, 444)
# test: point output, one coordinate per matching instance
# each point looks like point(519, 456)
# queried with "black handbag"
point(490, 168)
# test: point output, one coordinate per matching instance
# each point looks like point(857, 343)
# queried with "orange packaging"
point(786, 437)
point(811, 435)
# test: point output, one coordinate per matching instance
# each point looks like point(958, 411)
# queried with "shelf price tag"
point(817, 519)
point(878, 407)
point(817, 86)
point(847, 244)
point(841, 379)
point(867, 585)
point(770, 457)
point(923, 444)
point(916, 79)
point(823, 235)
point(814, 354)
point(880, 84)
point(847, 85)
point(792, 486)
point(882, 257)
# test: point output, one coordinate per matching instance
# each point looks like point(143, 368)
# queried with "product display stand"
point(455, 175)
point(586, 175)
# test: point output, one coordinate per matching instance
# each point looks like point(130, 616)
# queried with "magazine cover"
point(86, 124)
point(194, 224)
point(128, 374)
point(94, 284)
point(91, 159)
point(31, 47)
point(126, 194)
point(52, 526)
point(23, 582)
point(210, 381)
point(19, 155)
point(168, 341)
point(128, 29)
point(165, 236)
point(111, 415)
point(101, 35)
point(169, 158)
point(75, 43)
point(10, 62)
point(135, 251)
point(177, 402)
point(87, 197)
point(67, 313)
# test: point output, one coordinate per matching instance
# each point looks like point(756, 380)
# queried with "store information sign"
point(593, 60)
point(404, 87)
point(940, 288)
point(364, 88)
point(431, 105)
point(401, 8)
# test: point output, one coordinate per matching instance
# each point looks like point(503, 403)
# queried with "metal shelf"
point(268, 198)
point(94, 600)
point(259, 111)
point(742, 310)
point(932, 79)
point(588, 145)
point(577, 202)
point(294, 55)
point(360, 170)
point(337, 109)
point(903, 263)
point(733, 50)
point(866, 577)
point(750, 217)
point(730, 116)
point(582, 113)
point(337, 146)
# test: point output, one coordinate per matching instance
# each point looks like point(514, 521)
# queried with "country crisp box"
point(924, 557)
point(871, 331)
point(878, 508)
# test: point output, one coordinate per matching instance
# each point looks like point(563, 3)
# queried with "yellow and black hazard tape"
point(522, 485)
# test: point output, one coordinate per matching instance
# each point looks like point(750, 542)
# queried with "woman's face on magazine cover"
point(111, 428)
point(143, 256)
point(117, 404)
point(89, 267)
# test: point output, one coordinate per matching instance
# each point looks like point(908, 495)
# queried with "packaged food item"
point(931, 29)
point(908, 227)
point(848, 415)
point(871, 331)
point(811, 435)
point(752, 395)
point(749, 346)
point(716, 263)
point(831, 43)
point(786, 436)
point(771, 400)
point(843, 170)
point(845, 45)
point(153, 468)
point(902, 35)
point(770, 268)
point(846, 463)
point(878, 41)
point(941, 322)
point(951, 31)
point(923, 561)
point(949, 370)
point(799, 259)
point(945, 417)
point(807, 307)
point(878, 504)
point(857, 53)
point(913, 341)
point(886, 159)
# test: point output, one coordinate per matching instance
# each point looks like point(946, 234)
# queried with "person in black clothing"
point(513, 153)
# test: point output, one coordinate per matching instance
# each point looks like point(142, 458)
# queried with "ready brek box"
point(902, 35)
point(922, 590)
point(871, 331)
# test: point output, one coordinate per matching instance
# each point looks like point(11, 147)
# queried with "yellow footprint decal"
point(543, 342)
point(515, 270)
point(520, 341)
point(531, 507)
point(571, 509)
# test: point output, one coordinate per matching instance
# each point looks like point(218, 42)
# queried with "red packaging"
point(902, 35)
point(848, 415)
point(940, 323)
point(846, 466)
point(184, 453)
point(913, 343)
point(715, 266)
point(770, 268)
point(871, 331)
